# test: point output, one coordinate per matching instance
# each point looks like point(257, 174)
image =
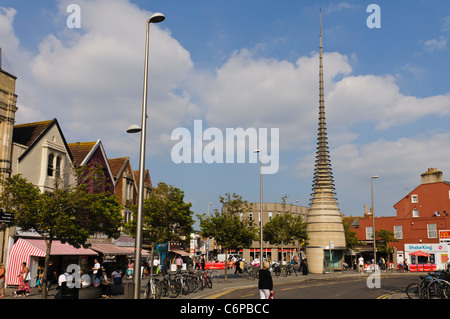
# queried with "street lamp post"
point(209, 242)
point(260, 207)
point(373, 225)
point(155, 18)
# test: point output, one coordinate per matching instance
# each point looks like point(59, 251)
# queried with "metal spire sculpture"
point(325, 229)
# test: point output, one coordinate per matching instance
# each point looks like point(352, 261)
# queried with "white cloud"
point(91, 79)
point(435, 44)
point(338, 7)
point(369, 98)
point(249, 91)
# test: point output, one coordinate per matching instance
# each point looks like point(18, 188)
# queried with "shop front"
point(33, 251)
point(426, 257)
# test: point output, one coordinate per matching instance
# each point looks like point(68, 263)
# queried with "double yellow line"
point(386, 296)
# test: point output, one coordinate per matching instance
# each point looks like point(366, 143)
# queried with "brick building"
point(422, 222)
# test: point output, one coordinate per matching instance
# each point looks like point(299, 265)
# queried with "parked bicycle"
point(248, 272)
point(153, 289)
point(433, 285)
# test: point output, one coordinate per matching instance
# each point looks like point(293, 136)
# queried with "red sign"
point(444, 234)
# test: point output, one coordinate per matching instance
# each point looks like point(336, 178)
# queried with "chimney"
point(432, 175)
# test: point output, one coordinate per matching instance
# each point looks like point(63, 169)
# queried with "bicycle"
point(288, 270)
point(276, 269)
point(248, 273)
point(153, 289)
point(170, 286)
point(433, 285)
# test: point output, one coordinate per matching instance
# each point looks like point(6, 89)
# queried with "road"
point(358, 287)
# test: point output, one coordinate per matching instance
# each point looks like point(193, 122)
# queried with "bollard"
point(128, 289)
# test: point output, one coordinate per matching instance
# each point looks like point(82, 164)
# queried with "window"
point(129, 190)
point(415, 212)
point(50, 164)
point(58, 167)
point(414, 199)
point(398, 231)
point(270, 216)
point(250, 216)
point(128, 216)
point(369, 233)
point(432, 230)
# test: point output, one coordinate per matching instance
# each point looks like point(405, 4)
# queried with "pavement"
point(221, 287)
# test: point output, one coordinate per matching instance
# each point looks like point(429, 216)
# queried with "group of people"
point(382, 264)
point(24, 277)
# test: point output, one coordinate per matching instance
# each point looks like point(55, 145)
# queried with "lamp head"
point(134, 128)
point(157, 18)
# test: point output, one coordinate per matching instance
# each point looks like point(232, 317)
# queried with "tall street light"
point(155, 18)
point(209, 242)
point(373, 225)
point(260, 207)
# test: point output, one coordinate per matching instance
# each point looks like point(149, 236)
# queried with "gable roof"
point(80, 151)
point(118, 165)
point(29, 134)
point(83, 151)
point(147, 178)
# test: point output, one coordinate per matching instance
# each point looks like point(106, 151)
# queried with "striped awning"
point(23, 249)
point(111, 249)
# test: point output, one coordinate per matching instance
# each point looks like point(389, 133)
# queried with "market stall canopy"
point(111, 249)
point(24, 249)
point(180, 252)
point(419, 253)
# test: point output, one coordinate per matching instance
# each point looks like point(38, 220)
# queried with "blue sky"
point(249, 64)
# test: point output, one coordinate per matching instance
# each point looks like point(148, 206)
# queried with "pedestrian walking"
point(24, 277)
point(265, 283)
point(360, 264)
point(203, 262)
point(2, 280)
point(38, 278)
point(179, 263)
point(50, 276)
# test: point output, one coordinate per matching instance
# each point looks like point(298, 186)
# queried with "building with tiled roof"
point(125, 185)
point(91, 154)
point(41, 155)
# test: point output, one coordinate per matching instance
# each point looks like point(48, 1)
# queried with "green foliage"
point(227, 228)
point(69, 214)
point(166, 217)
point(285, 229)
point(351, 241)
point(384, 237)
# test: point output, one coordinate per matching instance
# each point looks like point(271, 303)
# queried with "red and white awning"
point(23, 249)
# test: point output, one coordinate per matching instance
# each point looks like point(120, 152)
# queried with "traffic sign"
point(6, 217)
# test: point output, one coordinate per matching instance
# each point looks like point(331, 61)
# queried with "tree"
point(351, 241)
point(285, 229)
point(166, 217)
point(384, 237)
point(69, 214)
point(227, 228)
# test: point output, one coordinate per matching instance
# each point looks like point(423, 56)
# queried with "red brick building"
point(422, 222)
